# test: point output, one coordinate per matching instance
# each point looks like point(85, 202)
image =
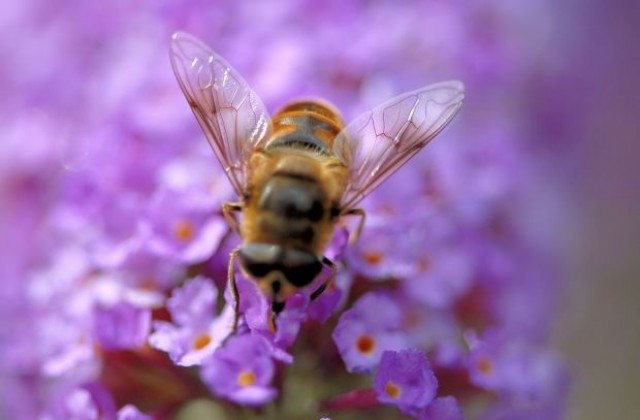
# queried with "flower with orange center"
point(484, 365)
point(246, 378)
point(201, 341)
point(242, 370)
point(373, 257)
point(393, 390)
point(405, 378)
point(372, 325)
point(366, 344)
point(184, 230)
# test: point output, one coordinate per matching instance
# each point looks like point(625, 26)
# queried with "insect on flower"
point(297, 173)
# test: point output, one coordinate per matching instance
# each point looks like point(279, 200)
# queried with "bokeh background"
point(599, 330)
point(562, 76)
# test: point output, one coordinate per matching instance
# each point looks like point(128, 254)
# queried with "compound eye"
point(300, 268)
point(260, 259)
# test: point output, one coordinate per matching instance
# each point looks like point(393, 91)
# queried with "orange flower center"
point(365, 344)
point(392, 390)
point(201, 341)
point(424, 263)
point(246, 378)
point(485, 366)
point(184, 230)
point(373, 257)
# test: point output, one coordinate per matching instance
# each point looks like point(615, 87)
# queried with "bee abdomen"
point(291, 207)
point(292, 203)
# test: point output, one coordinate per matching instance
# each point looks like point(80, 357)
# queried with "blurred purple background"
point(558, 80)
point(599, 330)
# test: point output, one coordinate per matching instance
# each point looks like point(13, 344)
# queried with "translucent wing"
point(231, 115)
point(380, 141)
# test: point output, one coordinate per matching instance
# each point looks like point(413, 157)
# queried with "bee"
point(298, 173)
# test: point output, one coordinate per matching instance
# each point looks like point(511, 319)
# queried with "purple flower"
point(122, 326)
point(90, 401)
point(437, 331)
point(197, 332)
point(405, 378)
point(117, 229)
point(256, 315)
point(242, 370)
point(253, 304)
point(145, 277)
point(366, 330)
point(442, 408)
point(64, 333)
point(376, 255)
point(182, 225)
point(336, 290)
point(288, 321)
point(443, 273)
point(79, 404)
point(514, 368)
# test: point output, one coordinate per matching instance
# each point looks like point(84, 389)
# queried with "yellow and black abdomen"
point(291, 204)
point(290, 210)
point(294, 202)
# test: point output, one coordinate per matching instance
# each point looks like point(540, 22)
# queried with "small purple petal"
point(131, 412)
point(380, 310)
point(289, 320)
point(91, 401)
point(254, 305)
point(169, 338)
point(122, 326)
point(339, 242)
point(253, 395)
point(335, 295)
point(444, 278)
point(193, 303)
point(442, 408)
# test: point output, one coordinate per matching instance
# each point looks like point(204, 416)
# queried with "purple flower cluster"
point(114, 251)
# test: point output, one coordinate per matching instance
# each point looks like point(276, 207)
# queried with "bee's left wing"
point(380, 141)
point(230, 113)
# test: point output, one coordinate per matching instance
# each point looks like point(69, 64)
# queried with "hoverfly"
point(297, 173)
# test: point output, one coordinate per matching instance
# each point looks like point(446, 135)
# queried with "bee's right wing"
point(232, 116)
point(379, 142)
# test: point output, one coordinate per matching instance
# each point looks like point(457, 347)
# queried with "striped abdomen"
point(293, 209)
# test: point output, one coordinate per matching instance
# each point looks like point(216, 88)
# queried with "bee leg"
point(228, 210)
point(360, 213)
point(277, 306)
point(233, 289)
point(326, 261)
